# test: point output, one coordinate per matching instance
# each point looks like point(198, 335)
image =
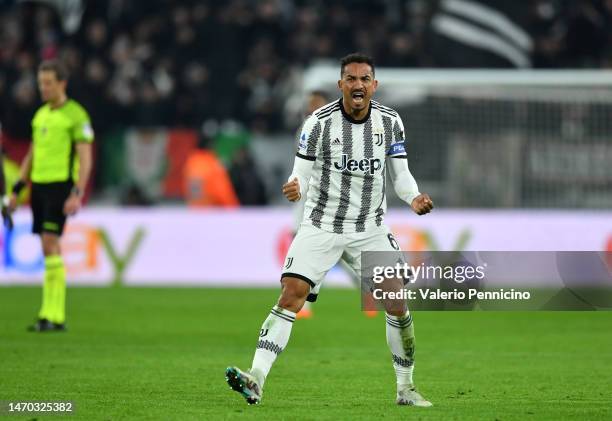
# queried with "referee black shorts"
point(48, 206)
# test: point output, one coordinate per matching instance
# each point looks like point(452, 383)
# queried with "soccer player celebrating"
point(344, 149)
point(58, 163)
point(318, 99)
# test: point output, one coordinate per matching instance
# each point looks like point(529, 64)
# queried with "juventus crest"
point(289, 262)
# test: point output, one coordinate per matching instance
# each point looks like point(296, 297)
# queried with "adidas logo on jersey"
point(366, 165)
point(336, 142)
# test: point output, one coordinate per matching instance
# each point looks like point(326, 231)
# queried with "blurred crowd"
point(178, 63)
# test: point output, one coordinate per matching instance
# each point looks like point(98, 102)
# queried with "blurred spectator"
point(206, 180)
point(316, 99)
point(21, 99)
point(246, 180)
point(178, 63)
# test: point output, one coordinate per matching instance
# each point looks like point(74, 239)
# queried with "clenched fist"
point(422, 204)
point(291, 190)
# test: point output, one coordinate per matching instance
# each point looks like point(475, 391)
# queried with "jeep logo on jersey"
point(366, 165)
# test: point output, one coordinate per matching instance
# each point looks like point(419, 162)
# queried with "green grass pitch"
point(155, 353)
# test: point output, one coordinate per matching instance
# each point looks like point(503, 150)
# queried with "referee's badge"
point(88, 131)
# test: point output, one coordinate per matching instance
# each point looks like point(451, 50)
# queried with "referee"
point(58, 163)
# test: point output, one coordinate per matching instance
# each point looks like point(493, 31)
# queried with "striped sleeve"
point(309, 138)
point(398, 146)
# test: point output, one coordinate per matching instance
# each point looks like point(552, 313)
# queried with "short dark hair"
point(56, 66)
point(356, 58)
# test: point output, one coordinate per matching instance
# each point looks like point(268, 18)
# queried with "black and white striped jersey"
point(346, 189)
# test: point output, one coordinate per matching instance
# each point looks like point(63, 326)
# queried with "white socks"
point(276, 329)
point(273, 338)
point(400, 338)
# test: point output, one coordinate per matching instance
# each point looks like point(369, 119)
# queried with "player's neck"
point(356, 116)
point(359, 114)
point(59, 101)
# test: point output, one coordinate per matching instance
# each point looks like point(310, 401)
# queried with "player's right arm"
point(24, 176)
point(308, 147)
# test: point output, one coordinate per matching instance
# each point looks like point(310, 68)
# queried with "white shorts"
point(314, 252)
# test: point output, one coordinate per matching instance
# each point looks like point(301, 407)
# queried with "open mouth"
point(358, 97)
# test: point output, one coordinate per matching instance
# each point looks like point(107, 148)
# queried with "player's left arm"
point(84, 150)
point(74, 202)
point(83, 137)
point(404, 183)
